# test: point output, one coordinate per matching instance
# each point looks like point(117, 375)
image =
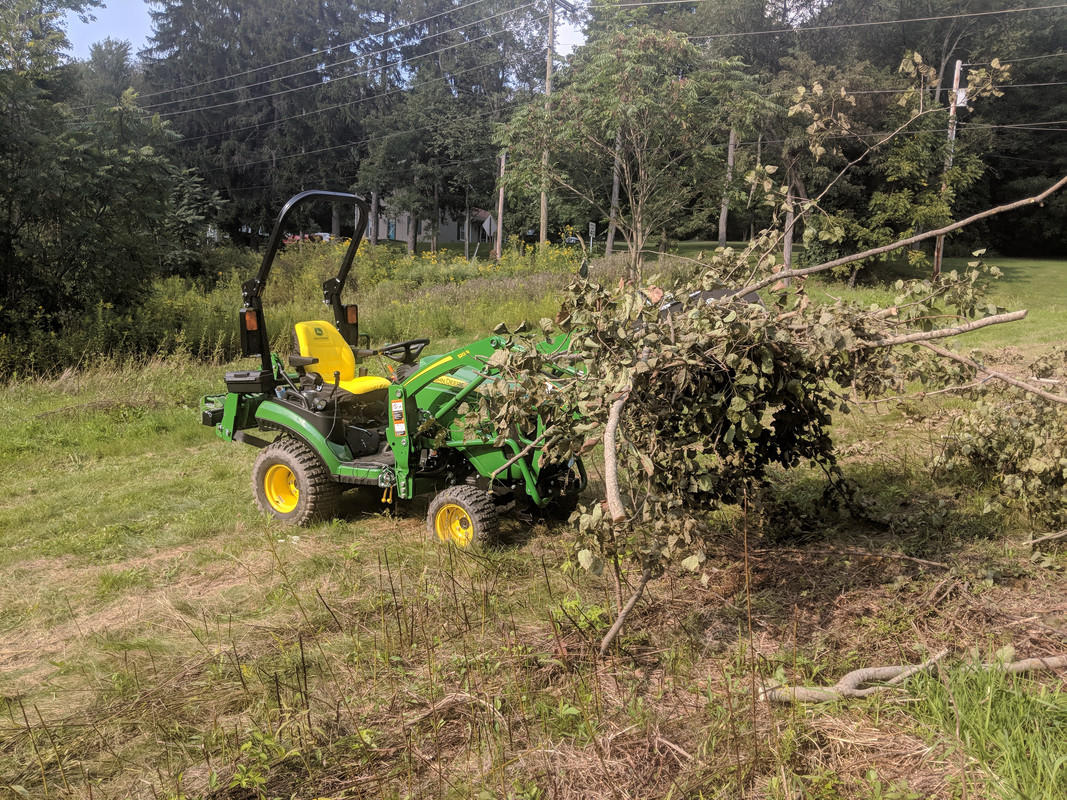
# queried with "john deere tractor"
point(323, 425)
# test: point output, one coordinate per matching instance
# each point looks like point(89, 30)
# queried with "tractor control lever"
point(405, 352)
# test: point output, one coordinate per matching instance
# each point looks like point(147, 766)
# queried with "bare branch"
point(1028, 387)
point(1048, 538)
point(609, 637)
point(870, 149)
point(941, 333)
point(611, 463)
point(852, 684)
point(900, 243)
point(922, 395)
point(857, 553)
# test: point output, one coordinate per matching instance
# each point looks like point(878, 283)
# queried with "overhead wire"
point(368, 140)
point(353, 143)
point(527, 5)
point(1030, 125)
point(403, 170)
point(319, 53)
point(325, 68)
point(999, 88)
point(847, 25)
point(349, 104)
point(320, 84)
point(963, 125)
point(1036, 58)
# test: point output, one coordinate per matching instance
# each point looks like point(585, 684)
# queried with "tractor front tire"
point(290, 483)
point(463, 515)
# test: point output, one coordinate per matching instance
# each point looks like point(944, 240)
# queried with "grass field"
point(1038, 285)
point(160, 638)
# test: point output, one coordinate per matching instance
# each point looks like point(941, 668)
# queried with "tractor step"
point(380, 461)
point(383, 459)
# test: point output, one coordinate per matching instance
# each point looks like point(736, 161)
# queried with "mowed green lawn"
point(159, 637)
point(1037, 285)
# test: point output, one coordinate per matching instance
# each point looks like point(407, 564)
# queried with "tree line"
point(113, 168)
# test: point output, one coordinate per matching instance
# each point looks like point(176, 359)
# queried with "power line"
point(1019, 124)
point(1029, 85)
point(318, 53)
point(971, 125)
point(847, 25)
point(401, 171)
point(1033, 58)
point(349, 144)
point(1000, 157)
point(461, 27)
point(1005, 86)
point(362, 100)
point(1024, 128)
point(324, 68)
point(368, 140)
point(333, 81)
point(349, 104)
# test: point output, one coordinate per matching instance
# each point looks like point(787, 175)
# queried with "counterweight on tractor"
point(323, 425)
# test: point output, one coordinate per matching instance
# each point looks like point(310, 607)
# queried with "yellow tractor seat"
point(321, 340)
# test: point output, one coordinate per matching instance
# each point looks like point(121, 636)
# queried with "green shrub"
point(435, 294)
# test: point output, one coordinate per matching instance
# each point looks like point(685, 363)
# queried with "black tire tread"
point(323, 493)
point(479, 505)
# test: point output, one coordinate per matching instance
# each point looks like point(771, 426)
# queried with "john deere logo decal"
point(448, 380)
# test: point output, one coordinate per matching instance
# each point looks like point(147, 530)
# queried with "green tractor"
point(333, 427)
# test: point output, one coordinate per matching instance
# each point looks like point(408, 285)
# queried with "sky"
point(129, 20)
point(120, 19)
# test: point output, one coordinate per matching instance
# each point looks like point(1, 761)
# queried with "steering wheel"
point(405, 352)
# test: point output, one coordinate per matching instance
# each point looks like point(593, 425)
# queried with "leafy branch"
point(696, 392)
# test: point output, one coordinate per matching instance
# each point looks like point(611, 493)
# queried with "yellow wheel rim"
point(279, 485)
point(454, 524)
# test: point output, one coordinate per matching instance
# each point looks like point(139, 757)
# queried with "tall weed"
point(437, 294)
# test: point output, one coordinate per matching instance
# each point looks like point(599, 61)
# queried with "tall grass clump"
point(1013, 727)
point(403, 296)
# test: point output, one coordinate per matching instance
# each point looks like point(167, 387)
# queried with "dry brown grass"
point(232, 658)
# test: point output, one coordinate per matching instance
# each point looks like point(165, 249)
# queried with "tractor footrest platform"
point(382, 460)
point(212, 408)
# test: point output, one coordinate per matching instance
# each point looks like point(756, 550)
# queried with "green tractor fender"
point(278, 416)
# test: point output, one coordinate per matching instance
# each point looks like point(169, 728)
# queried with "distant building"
point(397, 227)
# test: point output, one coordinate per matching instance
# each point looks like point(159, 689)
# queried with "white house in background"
point(397, 227)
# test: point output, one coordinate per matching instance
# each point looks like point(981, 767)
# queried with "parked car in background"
point(293, 238)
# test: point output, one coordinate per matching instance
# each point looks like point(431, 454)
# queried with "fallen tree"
point(695, 393)
point(875, 680)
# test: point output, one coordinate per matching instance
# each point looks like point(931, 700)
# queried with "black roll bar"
point(252, 290)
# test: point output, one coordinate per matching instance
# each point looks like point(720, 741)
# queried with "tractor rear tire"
point(290, 482)
point(463, 515)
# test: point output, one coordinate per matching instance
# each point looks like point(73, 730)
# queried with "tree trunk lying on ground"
point(854, 684)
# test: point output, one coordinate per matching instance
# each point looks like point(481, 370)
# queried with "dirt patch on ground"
point(83, 615)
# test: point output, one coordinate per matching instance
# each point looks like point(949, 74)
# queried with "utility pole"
point(500, 210)
point(549, 59)
point(548, 94)
point(954, 101)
